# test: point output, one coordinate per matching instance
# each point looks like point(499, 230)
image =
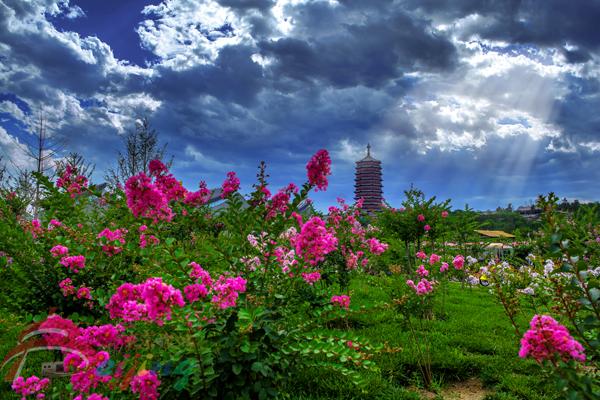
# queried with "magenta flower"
point(230, 185)
point(548, 340)
point(146, 384)
point(421, 218)
point(444, 267)
point(458, 262)
point(342, 301)
point(444, 214)
point(74, 263)
point(433, 259)
point(422, 288)
point(318, 168)
point(30, 386)
point(59, 251)
point(314, 241)
point(156, 167)
point(421, 255)
point(311, 277)
point(427, 228)
point(421, 271)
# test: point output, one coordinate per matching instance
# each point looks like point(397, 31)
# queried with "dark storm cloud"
point(234, 77)
point(369, 53)
point(541, 22)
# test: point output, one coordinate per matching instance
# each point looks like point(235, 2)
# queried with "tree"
point(464, 222)
point(141, 147)
point(42, 151)
point(78, 161)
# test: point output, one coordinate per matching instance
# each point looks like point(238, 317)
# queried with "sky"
point(483, 102)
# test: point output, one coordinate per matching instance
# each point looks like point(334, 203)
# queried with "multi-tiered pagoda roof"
point(368, 182)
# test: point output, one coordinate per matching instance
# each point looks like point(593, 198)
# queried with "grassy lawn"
point(475, 342)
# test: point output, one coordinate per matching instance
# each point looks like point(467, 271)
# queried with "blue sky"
point(486, 103)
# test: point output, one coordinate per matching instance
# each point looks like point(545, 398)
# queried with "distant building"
point(368, 182)
point(529, 212)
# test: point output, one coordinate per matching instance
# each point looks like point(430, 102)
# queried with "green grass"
point(475, 340)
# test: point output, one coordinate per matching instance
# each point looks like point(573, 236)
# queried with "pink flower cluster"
point(342, 301)
point(71, 181)
point(311, 277)
point(30, 386)
point(150, 301)
point(279, 202)
point(199, 197)
point(230, 185)
point(74, 263)
point(146, 383)
point(458, 262)
point(422, 288)
point(376, 247)
point(422, 272)
point(59, 251)
point(116, 239)
point(145, 199)
point(91, 396)
point(314, 241)
point(226, 291)
point(548, 340)
point(318, 168)
point(433, 258)
point(89, 344)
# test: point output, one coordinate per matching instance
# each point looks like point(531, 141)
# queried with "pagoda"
point(367, 182)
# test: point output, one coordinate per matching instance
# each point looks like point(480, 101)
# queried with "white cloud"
point(205, 162)
point(188, 33)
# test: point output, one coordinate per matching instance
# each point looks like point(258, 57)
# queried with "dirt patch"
point(471, 389)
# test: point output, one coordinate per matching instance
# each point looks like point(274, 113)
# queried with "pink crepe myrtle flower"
point(156, 168)
point(59, 250)
point(194, 292)
point(30, 386)
point(433, 259)
point(230, 185)
point(144, 199)
point(84, 293)
point(146, 384)
point(444, 214)
point(226, 291)
point(427, 228)
point(71, 181)
point(149, 301)
point(422, 288)
point(113, 241)
point(421, 255)
point(318, 168)
point(420, 218)
point(315, 241)
point(458, 262)
point(311, 277)
point(376, 247)
point(421, 271)
point(198, 198)
point(444, 267)
point(66, 287)
point(74, 263)
point(198, 273)
point(148, 239)
point(91, 396)
point(548, 340)
point(341, 301)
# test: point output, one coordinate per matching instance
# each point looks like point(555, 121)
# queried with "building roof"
point(368, 157)
point(494, 234)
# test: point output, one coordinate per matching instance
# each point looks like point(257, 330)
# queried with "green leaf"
point(236, 368)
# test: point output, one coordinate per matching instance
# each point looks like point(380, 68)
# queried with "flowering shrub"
point(151, 272)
